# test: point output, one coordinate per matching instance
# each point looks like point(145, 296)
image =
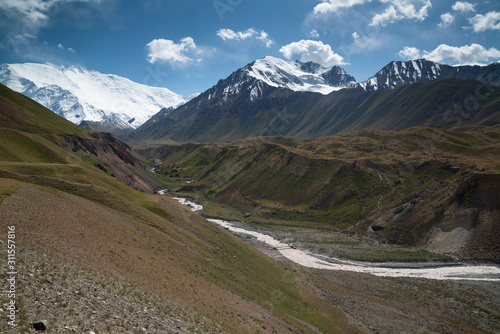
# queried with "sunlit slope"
point(56, 188)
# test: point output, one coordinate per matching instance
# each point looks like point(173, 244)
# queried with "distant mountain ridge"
point(250, 100)
point(110, 102)
point(236, 107)
point(399, 73)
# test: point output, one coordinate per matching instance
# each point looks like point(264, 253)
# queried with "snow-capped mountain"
point(277, 73)
point(298, 76)
point(82, 95)
point(399, 73)
point(266, 85)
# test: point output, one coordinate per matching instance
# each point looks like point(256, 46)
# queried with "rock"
point(40, 325)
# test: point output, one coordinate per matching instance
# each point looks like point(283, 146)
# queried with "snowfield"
point(79, 94)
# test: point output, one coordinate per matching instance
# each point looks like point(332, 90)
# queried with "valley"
point(249, 167)
point(411, 263)
point(419, 187)
point(327, 211)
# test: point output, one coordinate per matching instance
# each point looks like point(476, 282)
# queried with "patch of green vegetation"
point(402, 255)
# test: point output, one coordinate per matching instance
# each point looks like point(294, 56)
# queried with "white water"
point(307, 259)
point(184, 201)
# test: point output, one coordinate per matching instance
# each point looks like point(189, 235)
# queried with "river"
point(443, 271)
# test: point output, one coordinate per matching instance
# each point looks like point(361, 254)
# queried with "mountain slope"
point(438, 103)
point(78, 94)
point(399, 73)
point(249, 95)
point(419, 187)
point(158, 260)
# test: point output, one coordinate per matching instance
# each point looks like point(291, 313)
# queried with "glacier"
point(79, 94)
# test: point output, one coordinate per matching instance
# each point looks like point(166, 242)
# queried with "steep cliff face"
point(468, 220)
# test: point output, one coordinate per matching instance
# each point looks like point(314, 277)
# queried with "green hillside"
point(348, 182)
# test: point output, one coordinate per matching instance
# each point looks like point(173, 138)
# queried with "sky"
point(187, 46)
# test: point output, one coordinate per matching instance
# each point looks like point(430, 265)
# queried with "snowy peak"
point(79, 94)
point(258, 77)
point(399, 73)
point(298, 76)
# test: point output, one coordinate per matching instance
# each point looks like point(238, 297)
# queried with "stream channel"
point(434, 270)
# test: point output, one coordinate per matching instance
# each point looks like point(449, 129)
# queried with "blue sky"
point(187, 46)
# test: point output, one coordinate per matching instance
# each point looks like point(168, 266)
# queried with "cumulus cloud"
point(446, 20)
point(165, 50)
point(329, 6)
point(489, 21)
point(409, 53)
point(228, 34)
point(473, 54)
point(402, 9)
point(463, 7)
point(314, 51)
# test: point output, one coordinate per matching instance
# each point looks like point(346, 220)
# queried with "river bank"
point(438, 270)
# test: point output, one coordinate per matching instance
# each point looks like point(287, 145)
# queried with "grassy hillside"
point(78, 220)
point(412, 187)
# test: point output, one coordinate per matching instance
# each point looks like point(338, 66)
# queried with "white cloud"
point(33, 14)
point(164, 50)
point(314, 51)
point(390, 15)
point(400, 10)
point(409, 53)
point(228, 34)
point(62, 47)
point(313, 34)
point(363, 43)
point(264, 37)
point(490, 21)
point(329, 6)
point(463, 7)
point(446, 20)
point(22, 20)
point(473, 54)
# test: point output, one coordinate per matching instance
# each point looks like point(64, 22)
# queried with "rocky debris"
point(387, 218)
point(74, 300)
point(39, 325)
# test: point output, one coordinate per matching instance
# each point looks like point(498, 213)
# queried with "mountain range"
point(259, 99)
point(398, 73)
point(98, 101)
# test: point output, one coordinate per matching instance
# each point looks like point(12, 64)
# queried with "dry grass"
point(187, 260)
